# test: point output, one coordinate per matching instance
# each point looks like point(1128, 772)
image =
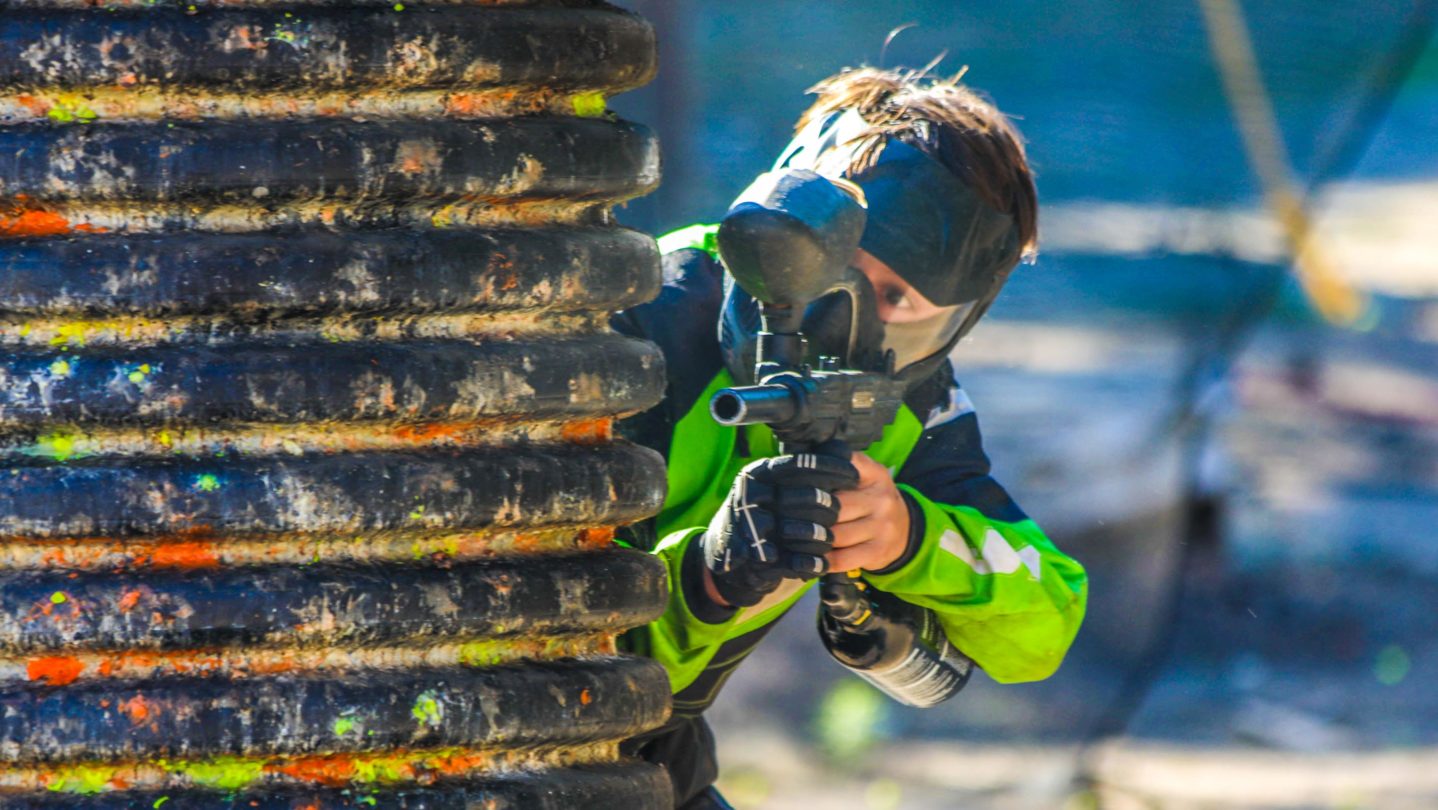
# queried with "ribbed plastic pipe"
point(309, 487)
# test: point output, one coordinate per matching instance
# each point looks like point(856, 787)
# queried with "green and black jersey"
point(1003, 593)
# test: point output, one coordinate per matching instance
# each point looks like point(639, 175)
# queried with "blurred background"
point(1250, 483)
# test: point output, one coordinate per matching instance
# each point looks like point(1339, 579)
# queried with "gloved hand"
point(775, 524)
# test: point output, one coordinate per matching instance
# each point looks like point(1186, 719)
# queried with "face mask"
point(922, 220)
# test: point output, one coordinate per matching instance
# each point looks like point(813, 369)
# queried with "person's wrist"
point(711, 590)
point(698, 589)
point(913, 538)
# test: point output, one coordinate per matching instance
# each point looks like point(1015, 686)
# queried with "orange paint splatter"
point(588, 431)
point(464, 104)
point(188, 555)
point(128, 600)
point(34, 105)
point(137, 709)
point(333, 771)
point(55, 670)
point(17, 221)
point(433, 431)
point(585, 698)
point(18, 224)
point(457, 764)
point(598, 537)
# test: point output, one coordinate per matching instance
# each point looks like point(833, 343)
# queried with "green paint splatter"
point(207, 482)
point(225, 773)
point(60, 368)
point(68, 110)
point(1392, 666)
point(369, 800)
point(160, 801)
point(138, 375)
point(57, 598)
point(344, 725)
point(59, 446)
point(399, 6)
point(417, 513)
point(589, 105)
point(381, 770)
point(427, 709)
point(84, 779)
point(482, 653)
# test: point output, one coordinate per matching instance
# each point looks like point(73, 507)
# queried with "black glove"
point(775, 524)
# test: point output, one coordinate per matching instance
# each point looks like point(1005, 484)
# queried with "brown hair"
point(945, 120)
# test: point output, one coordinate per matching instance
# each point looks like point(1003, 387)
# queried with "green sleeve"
point(679, 640)
point(683, 642)
point(1003, 593)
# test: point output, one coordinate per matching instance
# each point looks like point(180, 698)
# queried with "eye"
point(897, 298)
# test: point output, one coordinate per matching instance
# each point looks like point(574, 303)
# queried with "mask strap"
point(816, 143)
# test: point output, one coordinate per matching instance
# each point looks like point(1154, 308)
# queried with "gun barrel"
point(754, 404)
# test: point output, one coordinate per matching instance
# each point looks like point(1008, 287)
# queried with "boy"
point(744, 530)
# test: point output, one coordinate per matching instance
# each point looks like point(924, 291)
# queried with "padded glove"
point(775, 524)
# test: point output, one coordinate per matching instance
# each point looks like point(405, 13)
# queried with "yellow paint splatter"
point(207, 482)
point(69, 334)
point(57, 598)
point(443, 218)
point(60, 368)
point(59, 446)
point(589, 105)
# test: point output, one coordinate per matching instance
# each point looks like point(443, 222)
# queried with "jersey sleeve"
point(1004, 594)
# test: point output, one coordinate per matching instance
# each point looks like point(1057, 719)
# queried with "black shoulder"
point(948, 463)
point(933, 393)
point(683, 321)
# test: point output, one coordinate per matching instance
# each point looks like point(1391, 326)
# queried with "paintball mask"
point(922, 221)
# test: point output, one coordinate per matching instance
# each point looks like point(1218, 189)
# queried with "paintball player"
point(745, 530)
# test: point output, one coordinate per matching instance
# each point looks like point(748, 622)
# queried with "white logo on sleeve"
point(998, 557)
